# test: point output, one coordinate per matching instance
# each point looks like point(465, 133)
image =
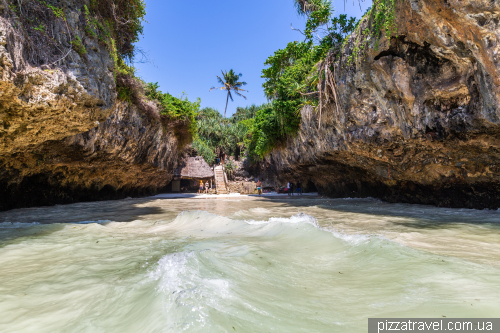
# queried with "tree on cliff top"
point(307, 7)
point(229, 82)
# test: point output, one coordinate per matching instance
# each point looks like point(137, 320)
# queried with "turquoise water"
point(310, 265)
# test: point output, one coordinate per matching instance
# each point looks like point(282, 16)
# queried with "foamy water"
point(308, 265)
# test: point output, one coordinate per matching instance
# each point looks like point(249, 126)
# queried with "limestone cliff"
point(419, 118)
point(64, 136)
point(127, 155)
point(48, 99)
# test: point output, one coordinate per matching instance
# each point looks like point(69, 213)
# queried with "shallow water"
point(303, 265)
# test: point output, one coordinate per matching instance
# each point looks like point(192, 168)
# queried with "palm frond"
point(239, 84)
point(215, 88)
point(237, 93)
point(220, 80)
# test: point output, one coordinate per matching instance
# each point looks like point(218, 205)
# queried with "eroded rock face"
point(52, 101)
point(64, 137)
point(420, 115)
point(127, 155)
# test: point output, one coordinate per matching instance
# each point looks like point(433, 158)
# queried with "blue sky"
point(189, 42)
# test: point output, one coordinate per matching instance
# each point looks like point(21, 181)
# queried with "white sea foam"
point(188, 296)
point(298, 218)
point(202, 272)
point(304, 218)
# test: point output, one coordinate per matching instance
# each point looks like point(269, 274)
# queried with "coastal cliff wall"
point(64, 135)
point(51, 92)
point(126, 155)
point(419, 116)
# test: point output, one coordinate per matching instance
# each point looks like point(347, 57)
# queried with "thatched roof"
point(194, 168)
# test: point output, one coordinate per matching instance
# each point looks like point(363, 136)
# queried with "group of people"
point(207, 186)
point(291, 186)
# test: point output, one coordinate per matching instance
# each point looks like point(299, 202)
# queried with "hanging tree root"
point(327, 88)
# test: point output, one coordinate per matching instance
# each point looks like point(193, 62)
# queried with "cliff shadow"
point(408, 215)
point(85, 212)
point(35, 222)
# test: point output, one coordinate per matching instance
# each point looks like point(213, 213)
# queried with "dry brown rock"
point(64, 137)
point(420, 118)
point(129, 154)
point(54, 100)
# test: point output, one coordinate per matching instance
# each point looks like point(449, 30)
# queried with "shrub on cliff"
point(171, 107)
point(120, 20)
point(49, 38)
point(131, 89)
point(176, 114)
point(292, 76)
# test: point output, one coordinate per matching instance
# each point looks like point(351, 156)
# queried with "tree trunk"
point(227, 101)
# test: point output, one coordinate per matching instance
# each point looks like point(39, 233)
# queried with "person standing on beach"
point(299, 189)
point(200, 190)
point(290, 188)
point(259, 186)
point(206, 187)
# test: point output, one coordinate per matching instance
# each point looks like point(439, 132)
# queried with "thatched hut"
point(190, 172)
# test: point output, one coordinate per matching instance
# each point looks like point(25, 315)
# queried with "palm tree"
point(229, 81)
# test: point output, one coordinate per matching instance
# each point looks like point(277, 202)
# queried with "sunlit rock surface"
point(419, 120)
point(127, 155)
point(69, 94)
point(63, 136)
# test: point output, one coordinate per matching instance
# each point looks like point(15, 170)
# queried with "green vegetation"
point(219, 134)
point(302, 73)
point(177, 110)
point(204, 150)
point(175, 113)
point(78, 46)
point(292, 76)
point(230, 167)
point(383, 16)
point(118, 25)
point(298, 75)
point(115, 23)
point(58, 12)
point(229, 82)
point(40, 28)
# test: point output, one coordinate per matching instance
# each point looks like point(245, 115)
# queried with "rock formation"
point(419, 118)
point(127, 155)
point(53, 100)
point(64, 136)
